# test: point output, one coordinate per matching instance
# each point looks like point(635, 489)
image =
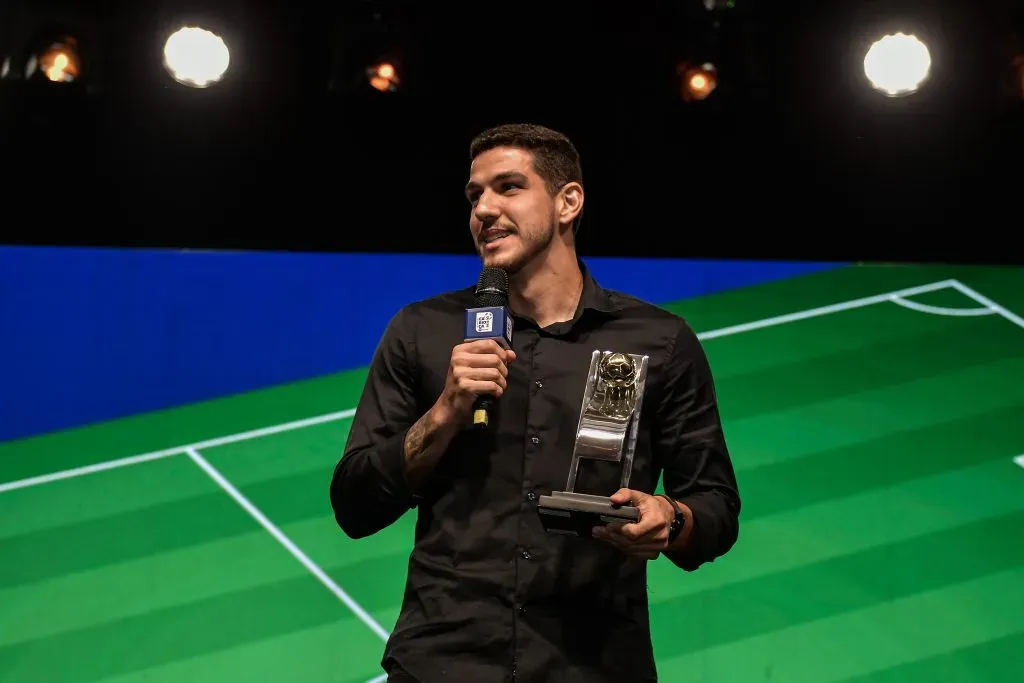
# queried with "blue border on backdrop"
point(88, 335)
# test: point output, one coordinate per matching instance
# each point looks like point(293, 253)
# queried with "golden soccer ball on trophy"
point(618, 377)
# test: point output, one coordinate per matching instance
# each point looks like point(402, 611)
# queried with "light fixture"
point(697, 81)
point(58, 62)
point(383, 76)
point(897, 64)
point(196, 57)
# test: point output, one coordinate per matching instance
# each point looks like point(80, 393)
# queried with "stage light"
point(196, 57)
point(383, 76)
point(698, 81)
point(897, 64)
point(59, 62)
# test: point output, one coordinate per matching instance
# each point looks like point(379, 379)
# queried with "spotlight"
point(196, 57)
point(59, 62)
point(383, 76)
point(698, 81)
point(897, 64)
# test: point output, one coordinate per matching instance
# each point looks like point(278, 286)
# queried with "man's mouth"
point(494, 235)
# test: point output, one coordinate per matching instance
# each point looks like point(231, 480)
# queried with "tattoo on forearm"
point(417, 439)
point(423, 443)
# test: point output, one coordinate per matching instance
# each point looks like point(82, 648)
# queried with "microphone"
point(489, 319)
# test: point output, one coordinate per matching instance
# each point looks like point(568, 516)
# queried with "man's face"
point(512, 217)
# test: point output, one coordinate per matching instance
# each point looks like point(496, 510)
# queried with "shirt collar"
point(594, 297)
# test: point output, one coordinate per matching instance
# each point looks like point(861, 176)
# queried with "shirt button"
point(531, 496)
point(534, 440)
point(525, 554)
point(539, 384)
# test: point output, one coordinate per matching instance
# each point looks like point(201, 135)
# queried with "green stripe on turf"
point(994, 661)
point(889, 461)
point(326, 544)
point(158, 581)
point(775, 437)
point(888, 632)
point(101, 495)
point(871, 367)
point(338, 652)
point(230, 618)
point(83, 546)
point(270, 634)
point(193, 520)
point(840, 527)
point(832, 587)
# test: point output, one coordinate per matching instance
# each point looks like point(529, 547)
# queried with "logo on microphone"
point(484, 321)
point(489, 322)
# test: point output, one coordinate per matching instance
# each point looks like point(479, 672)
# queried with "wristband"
point(678, 521)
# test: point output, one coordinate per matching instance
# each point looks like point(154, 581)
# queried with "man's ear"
point(569, 203)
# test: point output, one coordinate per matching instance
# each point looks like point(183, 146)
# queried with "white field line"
point(824, 310)
point(177, 450)
point(988, 303)
point(286, 542)
point(941, 310)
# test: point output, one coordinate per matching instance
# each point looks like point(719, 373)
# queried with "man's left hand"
point(645, 538)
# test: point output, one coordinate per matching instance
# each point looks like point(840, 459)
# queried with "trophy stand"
point(609, 420)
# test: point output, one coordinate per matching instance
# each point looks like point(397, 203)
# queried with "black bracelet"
point(678, 521)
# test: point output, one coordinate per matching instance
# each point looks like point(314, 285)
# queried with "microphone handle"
point(482, 411)
point(484, 404)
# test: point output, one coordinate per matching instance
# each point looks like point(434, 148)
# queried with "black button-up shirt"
point(490, 597)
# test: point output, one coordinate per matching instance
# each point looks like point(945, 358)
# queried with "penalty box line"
point(283, 539)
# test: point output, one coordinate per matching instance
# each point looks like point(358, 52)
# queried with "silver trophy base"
point(575, 514)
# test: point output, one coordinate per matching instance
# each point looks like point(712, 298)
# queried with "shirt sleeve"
point(697, 468)
point(368, 489)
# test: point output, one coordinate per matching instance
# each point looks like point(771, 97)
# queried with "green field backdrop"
point(874, 434)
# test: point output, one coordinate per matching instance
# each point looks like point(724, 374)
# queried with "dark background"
point(792, 156)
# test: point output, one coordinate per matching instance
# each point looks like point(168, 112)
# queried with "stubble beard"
point(531, 246)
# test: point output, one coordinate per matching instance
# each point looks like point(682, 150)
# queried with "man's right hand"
point(477, 367)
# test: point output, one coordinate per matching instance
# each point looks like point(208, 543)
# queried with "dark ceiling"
point(793, 155)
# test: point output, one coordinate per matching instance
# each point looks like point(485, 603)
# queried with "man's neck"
point(549, 292)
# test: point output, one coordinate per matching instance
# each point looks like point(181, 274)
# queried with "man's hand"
point(477, 367)
point(645, 538)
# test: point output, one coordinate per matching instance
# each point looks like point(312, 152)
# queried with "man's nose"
point(486, 210)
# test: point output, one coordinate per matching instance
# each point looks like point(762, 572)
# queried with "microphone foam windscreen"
point(492, 288)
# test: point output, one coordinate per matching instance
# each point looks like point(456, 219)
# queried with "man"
point(490, 597)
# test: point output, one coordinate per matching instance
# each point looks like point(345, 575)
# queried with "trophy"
point(609, 420)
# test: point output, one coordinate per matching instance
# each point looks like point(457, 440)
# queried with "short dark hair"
point(555, 158)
